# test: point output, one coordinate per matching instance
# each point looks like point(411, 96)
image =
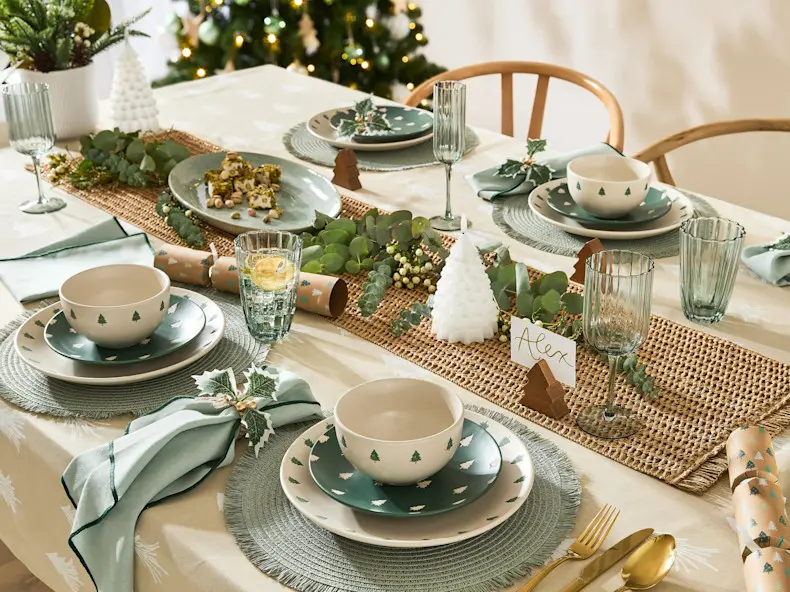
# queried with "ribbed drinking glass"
point(449, 139)
point(268, 264)
point(31, 132)
point(618, 287)
point(710, 252)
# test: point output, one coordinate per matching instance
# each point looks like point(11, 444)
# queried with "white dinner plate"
point(31, 346)
point(321, 127)
point(506, 496)
point(682, 209)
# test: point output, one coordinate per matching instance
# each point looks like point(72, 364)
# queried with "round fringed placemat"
point(519, 222)
point(25, 387)
point(305, 146)
point(283, 544)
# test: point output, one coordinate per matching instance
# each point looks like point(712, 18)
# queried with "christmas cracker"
point(320, 294)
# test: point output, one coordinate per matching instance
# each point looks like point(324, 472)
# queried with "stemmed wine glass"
point(617, 294)
point(31, 132)
point(449, 139)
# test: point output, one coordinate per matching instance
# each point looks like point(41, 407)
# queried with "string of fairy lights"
point(198, 28)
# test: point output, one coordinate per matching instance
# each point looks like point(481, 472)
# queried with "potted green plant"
point(55, 41)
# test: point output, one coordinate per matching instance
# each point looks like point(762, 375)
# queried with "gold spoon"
point(649, 564)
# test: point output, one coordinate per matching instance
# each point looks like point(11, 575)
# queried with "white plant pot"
point(75, 105)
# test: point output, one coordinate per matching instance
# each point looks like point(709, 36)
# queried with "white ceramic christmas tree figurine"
point(132, 100)
point(463, 307)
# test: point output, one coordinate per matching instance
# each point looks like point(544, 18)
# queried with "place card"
point(529, 344)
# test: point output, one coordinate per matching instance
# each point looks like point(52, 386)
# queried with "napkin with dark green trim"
point(40, 273)
point(488, 185)
point(168, 452)
point(771, 262)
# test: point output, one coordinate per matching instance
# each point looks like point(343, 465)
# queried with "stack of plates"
point(192, 327)
point(663, 209)
point(485, 483)
point(409, 127)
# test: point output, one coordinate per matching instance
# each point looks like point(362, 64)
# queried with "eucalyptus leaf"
point(501, 294)
point(148, 165)
point(332, 262)
point(359, 247)
point(370, 226)
point(321, 220)
point(367, 264)
point(105, 140)
point(502, 256)
point(311, 253)
point(343, 224)
point(400, 216)
point(550, 302)
point(340, 249)
point(136, 151)
point(402, 233)
point(574, 303)
point(557, 281)
point(353, 267)
point(335, 236)
point(418, 226)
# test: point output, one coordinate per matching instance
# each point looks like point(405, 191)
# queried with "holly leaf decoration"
point(346, 128)
point(535, 146)
point(377, 122)
point(364, 106)
point(259, 385)
point(781, 244)
point(216, 382)
point(258, 426)
point(539, 174)
point(511, 168)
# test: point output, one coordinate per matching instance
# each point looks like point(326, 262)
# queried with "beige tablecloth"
point(183, 544)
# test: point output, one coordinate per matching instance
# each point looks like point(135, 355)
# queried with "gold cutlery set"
point(651, 561)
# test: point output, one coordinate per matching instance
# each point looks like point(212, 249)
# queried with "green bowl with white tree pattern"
point(471, 472)
point(183, 322)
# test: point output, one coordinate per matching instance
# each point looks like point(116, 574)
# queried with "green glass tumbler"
point(710, 252)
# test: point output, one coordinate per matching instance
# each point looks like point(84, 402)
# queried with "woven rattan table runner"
point(709, 386)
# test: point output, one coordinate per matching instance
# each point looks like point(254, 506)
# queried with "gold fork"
point(585, 545)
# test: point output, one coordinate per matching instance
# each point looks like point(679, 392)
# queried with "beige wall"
point(671, 64)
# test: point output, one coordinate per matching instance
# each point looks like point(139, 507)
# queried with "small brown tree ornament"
point(544, 393)
point(590, 247)
point(346, 171)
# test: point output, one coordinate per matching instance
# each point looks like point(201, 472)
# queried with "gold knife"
point(607, 559)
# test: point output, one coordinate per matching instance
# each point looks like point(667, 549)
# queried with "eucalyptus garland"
point(180, 219)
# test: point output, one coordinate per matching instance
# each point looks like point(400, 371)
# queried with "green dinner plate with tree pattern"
point(655, 205)
point(183, 322)
point(406, 123)
point(470, 473)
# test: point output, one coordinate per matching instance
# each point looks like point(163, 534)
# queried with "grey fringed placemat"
point(25, 387)
point(305, 146)
point(519, 222)
point(283, 544)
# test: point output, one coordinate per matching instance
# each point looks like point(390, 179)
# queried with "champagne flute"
point(31, 132)
point(449, 139)
point(617, 294)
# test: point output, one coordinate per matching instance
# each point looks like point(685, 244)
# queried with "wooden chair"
point(656, 154)
point(544, 72)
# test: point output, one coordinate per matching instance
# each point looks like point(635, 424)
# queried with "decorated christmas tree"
point(371, 45)
point(464, 308)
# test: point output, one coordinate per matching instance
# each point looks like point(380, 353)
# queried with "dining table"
point(183, 544)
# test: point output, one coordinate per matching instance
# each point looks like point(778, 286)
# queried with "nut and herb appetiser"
point(238, 180)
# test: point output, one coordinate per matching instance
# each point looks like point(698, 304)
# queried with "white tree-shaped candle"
point(132, 99)
point(464, 308)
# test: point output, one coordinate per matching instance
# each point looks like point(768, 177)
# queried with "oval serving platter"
point(302, 192)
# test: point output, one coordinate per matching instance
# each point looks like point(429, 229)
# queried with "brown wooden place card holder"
point(708, 385)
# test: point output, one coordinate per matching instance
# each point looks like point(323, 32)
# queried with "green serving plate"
point(302, 193)
point(470, 473)
point(183, 322)
point(405, 122)
point(655, 205)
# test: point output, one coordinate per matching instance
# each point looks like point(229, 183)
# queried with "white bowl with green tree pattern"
point(399, 431)
point(116, 306)
point(183, 322)
point(471, 472)
point(608, 186)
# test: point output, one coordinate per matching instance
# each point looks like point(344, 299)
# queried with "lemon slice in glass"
point(273, 273)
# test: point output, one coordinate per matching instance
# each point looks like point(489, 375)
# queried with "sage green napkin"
point(166, 453)
point(488, 185)
point(40, 273)
point(770, 262)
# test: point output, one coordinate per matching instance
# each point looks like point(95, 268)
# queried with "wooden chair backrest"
point(544, 72)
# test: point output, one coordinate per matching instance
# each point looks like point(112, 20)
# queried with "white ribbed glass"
point(449, 139)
